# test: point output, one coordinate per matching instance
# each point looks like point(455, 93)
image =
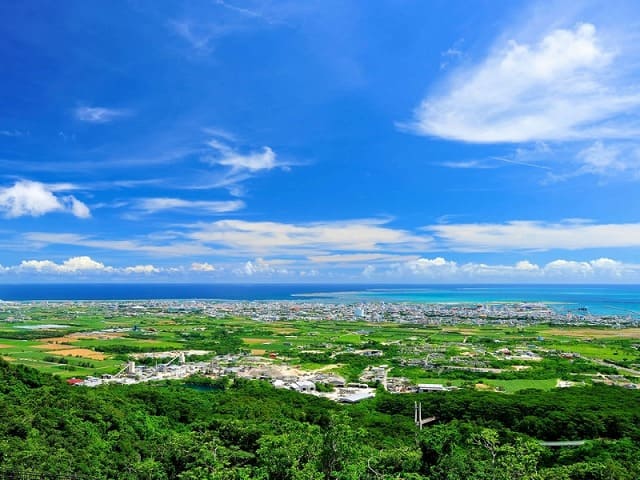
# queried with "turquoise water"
point(596, 299)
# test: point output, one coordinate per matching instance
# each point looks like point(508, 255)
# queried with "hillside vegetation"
point(248, 430)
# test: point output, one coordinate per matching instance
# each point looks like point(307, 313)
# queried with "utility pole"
point(417, 416)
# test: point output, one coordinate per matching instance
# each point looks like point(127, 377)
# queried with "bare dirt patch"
point(285, 330)
point(258, 351)
point(74, 337)
point(256, 341)
point(466, 332)
point(2, 345)
point(98, 336)
point(327, 368)
point(54, 346)
point(79, 352)
point(65, 339)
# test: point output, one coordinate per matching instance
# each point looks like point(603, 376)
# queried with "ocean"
point(595, 299)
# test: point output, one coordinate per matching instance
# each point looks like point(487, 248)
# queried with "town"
point(344, 352)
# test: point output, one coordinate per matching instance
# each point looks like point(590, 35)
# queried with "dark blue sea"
point(595, 299)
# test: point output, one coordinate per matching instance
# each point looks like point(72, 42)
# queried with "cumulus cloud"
point(141, 269)
point(72, 265)
point(369, 271)
point(424, 265)
point(260, 267)
point(202, 267)
point(80, 265)
point(27, 198)
point(598, 270)
point(601, 268)
point(527, 266)
point(568, 267)
point(99, 114)
point(567, 85)
point(153, 205)
point(417, 270)
point(529, 235)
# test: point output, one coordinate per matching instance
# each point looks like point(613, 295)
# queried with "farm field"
point(85, 339)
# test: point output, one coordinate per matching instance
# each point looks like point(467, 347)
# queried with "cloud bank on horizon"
point(253, 141)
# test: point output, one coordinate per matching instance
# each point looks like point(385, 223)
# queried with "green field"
point(95, 339)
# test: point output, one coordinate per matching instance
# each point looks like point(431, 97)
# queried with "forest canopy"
point(240, 429)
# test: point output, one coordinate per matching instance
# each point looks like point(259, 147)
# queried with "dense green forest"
point(237, 429)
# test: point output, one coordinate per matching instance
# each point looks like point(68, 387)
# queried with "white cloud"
point(569, 85)
point(83, 263)
point(527, 266)
point(259, 237)
point(528, 235)
point(468, 164)
point(260, 267)
point(358, 258)
point(568, 267)
point(415, 270)
point(605, 268)
point(368, 271)
point(606, 264)
point(146, 269)
point(431, 266)
point(200, 32)
point(38, 265)
point(252, 161)
point(77, 208)
point(561, 270)
point(153, 205)
point(309, 273)
point(174, 249)
point(80, 265)
point(199, 40)
point(11, 133)
point(72, 265)
point(606, 160)
point(26, 198)
point(99, 114)
point(202, 267)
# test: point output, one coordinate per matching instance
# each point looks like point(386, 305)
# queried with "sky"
point(395, 141)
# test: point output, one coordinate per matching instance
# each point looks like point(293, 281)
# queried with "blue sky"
point(388, 141)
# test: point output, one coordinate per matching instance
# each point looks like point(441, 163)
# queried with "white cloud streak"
point(99, 114)
point(253, 161)
point(269, 237)
point(529, 235)
point(196, 207)
point(173, 249)
point(11, 133)
point(342, 258)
